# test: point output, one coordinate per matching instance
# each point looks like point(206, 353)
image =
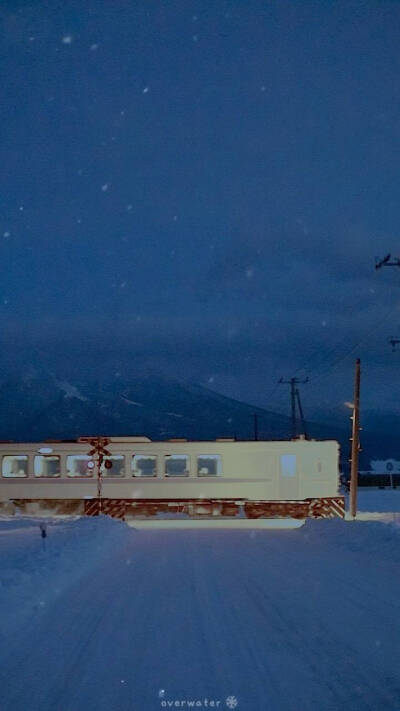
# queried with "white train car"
point(134, 477)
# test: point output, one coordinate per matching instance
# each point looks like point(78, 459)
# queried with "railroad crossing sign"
point(99, 451)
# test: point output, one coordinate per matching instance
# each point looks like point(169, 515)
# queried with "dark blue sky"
point(202, 188)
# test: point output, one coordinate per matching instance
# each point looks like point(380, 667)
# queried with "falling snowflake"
point(105, 187)
point(67, 39)
point(93, 47)
point(249, 272)
point(146, 90)
point(195, 38)
point(129, 207)
point(231, 702)
point(6, 234)
point(21, 207)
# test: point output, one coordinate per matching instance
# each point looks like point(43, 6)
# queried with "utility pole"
point(394, 342)
point(255, 427)
point(293, 382)
point(302, 420)
point(355, 441)
point(385, 262)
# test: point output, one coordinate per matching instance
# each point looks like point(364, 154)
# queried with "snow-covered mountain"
point(40, 405)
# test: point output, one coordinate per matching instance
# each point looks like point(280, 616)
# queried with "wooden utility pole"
point(355, 442)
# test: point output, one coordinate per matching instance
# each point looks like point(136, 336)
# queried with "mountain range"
point(39, 405)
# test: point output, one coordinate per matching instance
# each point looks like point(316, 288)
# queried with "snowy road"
point(289, 620)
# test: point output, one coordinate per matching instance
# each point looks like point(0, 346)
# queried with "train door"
point(288, 476)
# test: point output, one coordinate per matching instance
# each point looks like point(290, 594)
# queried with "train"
point(206, 482)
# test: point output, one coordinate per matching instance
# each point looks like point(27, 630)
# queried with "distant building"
point(384, 466)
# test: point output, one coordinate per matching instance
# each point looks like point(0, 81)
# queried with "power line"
point(340, 357)
point(356, 346)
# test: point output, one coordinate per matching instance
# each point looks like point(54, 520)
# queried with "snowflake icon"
point(231, 702)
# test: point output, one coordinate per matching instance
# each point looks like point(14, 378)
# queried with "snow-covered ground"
point(107, 617)
point(380, 500)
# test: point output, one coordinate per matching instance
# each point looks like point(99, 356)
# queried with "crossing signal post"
point(98, 452)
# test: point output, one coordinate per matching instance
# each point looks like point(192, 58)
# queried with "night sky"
point(201, 189)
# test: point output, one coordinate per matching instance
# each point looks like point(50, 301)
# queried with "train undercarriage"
point(195, 509)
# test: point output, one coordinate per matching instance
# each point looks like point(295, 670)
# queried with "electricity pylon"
point(295, 397)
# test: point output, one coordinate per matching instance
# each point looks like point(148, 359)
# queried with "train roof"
point(142, 439)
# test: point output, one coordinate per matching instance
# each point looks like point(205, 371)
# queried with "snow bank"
point(36, 570)
point(369, 537)
point(377, 500)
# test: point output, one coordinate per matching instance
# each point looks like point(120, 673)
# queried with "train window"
point(319, 467)
point(177, 465)
point(15, 465)
point(47, 465)
point(78, 465)
point(113, 465)
point(144, 465)
point(209, 465)
point(288, 465)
